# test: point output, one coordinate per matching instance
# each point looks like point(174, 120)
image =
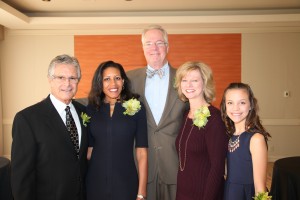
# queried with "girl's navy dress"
point(239, 183)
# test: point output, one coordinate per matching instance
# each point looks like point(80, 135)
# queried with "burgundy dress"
point(202, 155)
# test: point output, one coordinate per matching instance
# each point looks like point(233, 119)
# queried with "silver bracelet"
point(141, 197)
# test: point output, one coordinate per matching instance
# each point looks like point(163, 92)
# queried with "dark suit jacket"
point(43, 160)
point(162, 155)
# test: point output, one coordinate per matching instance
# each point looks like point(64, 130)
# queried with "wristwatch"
point(141, 197)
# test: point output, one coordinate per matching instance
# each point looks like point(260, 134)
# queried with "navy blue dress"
point(112, 174)
point(239, 183)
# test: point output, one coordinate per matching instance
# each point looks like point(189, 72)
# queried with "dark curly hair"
point(96, 95)
point(253, 123)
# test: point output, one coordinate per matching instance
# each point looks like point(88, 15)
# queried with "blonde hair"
point(206, 75)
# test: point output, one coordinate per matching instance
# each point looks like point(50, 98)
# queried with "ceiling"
point(93, 14)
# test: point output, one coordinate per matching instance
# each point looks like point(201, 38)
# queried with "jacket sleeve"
point(23, 154)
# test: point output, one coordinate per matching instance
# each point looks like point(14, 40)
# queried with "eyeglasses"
point(158, 44)
point(62, 79)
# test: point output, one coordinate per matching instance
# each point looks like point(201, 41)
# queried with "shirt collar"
point(60, 106)
point(165, 67)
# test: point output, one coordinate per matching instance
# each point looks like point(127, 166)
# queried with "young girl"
point(247, 147)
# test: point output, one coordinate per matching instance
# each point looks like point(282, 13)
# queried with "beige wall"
point(270, 64)
point(1, 32)
point(24, 62)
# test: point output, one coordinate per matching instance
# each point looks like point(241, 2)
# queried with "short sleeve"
point(90, 111)
point(141, 139)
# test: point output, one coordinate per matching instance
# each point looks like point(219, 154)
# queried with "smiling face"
point(237, 105)
point(112, 84)
point(155, 54)
point(64, 86)
point(192, 85)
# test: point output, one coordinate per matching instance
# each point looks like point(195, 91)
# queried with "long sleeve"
point(216, 141)
point(23, 160)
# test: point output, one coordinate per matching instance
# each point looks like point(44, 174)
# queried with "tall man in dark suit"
point(48, 156)
point(164, 113)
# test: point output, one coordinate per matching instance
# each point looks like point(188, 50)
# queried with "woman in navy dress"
point(247, 148)
point(117, 126)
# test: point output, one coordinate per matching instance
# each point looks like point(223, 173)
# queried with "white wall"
point(270, 64)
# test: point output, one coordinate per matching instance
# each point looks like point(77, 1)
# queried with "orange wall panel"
point(222, 52)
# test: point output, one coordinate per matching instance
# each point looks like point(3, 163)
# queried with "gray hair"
point(155, 27)
point(64, 59)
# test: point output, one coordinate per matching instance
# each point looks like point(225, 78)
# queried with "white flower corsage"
point(200, 116)
point(85, 118)
point(132, 106)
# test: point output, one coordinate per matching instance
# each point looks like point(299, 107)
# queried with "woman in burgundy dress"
point(202, 141)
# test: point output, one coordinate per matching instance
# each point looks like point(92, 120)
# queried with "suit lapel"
point(141, 90)
point(57, 123)
point(171, 97)
point(83, 132)
point(170, 101)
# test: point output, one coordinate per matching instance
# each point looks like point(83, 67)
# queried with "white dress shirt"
point(60, 107)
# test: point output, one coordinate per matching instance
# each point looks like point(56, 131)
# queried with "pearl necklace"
point(182, 165)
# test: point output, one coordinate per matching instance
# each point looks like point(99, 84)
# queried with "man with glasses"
point(49, 148)
point(164, 113)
